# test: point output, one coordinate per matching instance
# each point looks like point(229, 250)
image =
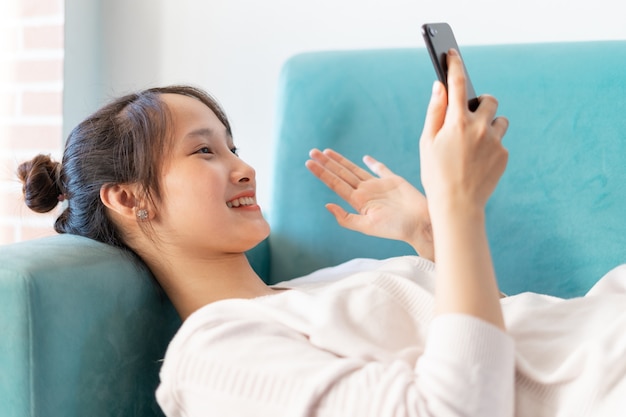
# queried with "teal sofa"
point(83, 328)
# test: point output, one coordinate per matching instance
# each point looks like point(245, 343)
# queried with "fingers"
point(377, 167)
point(457, 92)
point(436, 112)
point(336, 165)
point(500, 126)
point(487, 111)
point(342, 216)
point(457, 96)
point(337, 172)
point(347, 220)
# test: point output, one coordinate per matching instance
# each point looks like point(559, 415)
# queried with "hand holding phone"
point(439, 40)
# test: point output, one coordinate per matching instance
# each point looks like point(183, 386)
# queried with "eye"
point(205, 150)
point(235, 150)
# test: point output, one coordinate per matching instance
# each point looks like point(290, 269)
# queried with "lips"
point(241, 202)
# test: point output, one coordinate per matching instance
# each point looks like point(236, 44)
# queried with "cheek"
point(186, 192)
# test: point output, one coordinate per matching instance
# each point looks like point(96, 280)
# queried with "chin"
point(261, 233)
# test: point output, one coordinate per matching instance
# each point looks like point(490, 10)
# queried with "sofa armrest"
point(83, 330)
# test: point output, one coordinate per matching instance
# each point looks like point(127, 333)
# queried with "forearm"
point(466, 281)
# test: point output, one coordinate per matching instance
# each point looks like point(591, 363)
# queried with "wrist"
point(422, 241)
point(454, 210)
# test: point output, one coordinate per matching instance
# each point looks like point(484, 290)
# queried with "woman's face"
point(208, 206)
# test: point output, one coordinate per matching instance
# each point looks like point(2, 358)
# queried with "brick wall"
point(31, 88)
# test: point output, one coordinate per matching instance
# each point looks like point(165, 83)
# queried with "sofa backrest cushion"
point(556, 222)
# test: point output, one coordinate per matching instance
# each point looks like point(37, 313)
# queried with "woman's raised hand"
point(387, 205)
point(462, 157)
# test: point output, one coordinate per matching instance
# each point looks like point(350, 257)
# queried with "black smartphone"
point(439, 39)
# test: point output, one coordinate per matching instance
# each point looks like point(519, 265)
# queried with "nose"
point(242, 172)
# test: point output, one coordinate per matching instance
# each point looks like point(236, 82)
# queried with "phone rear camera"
point(432, 31)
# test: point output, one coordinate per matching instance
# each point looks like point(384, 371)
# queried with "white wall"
point(235, 48)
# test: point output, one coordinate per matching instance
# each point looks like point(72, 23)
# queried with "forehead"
point(189, 114)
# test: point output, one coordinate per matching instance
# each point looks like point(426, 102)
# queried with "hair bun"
point(41, 183)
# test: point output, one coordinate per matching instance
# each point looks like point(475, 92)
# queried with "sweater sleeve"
point(258, 368)
point(468, 368)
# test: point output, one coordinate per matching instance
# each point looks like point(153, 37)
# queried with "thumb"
point(436, 112)
point(344, 219)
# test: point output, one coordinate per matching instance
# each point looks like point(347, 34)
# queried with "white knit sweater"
point(360, 340)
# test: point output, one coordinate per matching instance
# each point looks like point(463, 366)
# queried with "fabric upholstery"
point(556, 222)
point(82, 328)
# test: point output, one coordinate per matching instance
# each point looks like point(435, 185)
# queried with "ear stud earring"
point(142, 214)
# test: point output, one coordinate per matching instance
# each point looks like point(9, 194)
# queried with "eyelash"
point(234, 150)
point(203, 149)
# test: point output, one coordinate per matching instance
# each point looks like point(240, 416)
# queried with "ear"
point(122, 200)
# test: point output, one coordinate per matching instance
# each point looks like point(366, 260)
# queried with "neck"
point(193, 283)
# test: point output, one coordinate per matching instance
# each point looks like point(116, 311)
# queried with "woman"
point(157, 173)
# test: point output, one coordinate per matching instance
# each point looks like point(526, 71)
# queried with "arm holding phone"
point(458, 189)
point(462, 160)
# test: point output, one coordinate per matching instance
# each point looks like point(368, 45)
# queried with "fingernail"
point(453, 52)
point(436, 88)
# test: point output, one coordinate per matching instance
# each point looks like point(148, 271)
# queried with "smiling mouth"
point(241, 202)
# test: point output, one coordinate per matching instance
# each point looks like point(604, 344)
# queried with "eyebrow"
point(207, 133)
point(201, 132)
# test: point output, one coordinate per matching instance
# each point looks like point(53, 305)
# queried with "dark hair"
point(124, 142)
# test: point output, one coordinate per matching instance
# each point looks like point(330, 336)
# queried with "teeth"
point(243, 201)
